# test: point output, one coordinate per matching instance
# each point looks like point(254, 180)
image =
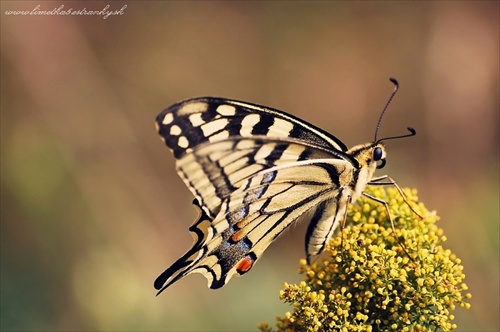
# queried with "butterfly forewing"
point(218, 142)
point(207, 119)
point(253, 171)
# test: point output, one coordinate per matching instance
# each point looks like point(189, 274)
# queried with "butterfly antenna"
point(396, 87)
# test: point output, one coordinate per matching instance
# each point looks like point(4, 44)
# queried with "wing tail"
point(185, 265)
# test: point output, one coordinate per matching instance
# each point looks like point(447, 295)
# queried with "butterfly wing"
point(258, 212)
point(253, 171)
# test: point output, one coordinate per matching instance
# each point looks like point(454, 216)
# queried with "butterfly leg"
point(390, 219)
point(386, 180)
point(343, 224)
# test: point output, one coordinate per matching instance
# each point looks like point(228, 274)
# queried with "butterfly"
point(254, 171)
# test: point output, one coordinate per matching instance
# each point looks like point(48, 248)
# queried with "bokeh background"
point(92, 209)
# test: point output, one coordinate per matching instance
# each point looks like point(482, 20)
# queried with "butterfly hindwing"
point(255, 214)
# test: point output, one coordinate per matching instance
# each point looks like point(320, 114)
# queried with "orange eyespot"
point(245, 265)
point(237, 236)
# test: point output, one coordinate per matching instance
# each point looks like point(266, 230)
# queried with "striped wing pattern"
point(253, 171)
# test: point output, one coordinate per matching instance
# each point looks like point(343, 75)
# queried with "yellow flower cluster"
point(376, 278)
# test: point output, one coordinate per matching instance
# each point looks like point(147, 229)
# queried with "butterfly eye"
point(377, 155)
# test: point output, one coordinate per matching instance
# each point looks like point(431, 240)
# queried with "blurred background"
point(92, 209)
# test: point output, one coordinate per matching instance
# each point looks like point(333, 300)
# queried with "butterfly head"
point(370, 155)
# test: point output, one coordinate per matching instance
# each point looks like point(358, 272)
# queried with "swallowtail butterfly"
point(254, 171)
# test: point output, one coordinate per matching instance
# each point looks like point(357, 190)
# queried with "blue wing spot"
point(269, 177)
